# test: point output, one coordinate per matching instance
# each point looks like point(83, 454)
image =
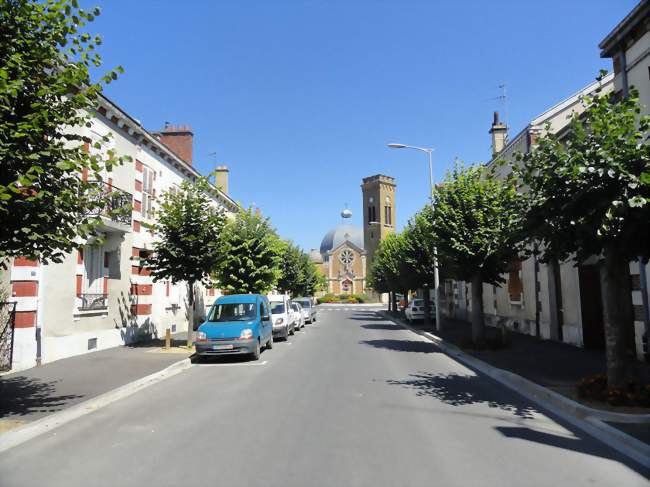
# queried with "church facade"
point(345, 253)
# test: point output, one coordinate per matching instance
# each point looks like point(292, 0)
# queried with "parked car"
point(237, 324)
point(415, 310)
point(282, 316)
point(297, 312)
point(308, 309)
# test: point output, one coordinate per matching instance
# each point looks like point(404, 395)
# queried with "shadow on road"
point(403, 345)
point(460, 390)
point(20, 396)
point(379, 326)
point(366, 317)
point(577, 444)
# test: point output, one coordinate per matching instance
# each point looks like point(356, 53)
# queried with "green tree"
point(419, 255)
point(589, 194)
point(189, 240)
point(389, 271)
point(477, 220)
point(253, 253)
point(292, 271)
point(45, 89)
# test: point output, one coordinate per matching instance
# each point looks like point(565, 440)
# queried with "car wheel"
point(269, 344)
point(256, 353)
point(292, 330)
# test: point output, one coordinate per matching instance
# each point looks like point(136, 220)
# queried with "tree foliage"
point(189, 242)
point(298, 274)
point(252, 255)
point(46, 98)
point(477, 223)
point(591, 189)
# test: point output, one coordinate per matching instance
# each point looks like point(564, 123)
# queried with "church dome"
point(336, 236)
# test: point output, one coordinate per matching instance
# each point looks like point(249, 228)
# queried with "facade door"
point(346, 287)
point(591, 307)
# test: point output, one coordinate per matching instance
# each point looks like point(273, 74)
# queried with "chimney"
point(499, 135)
point(221, 178)
point(178, 138)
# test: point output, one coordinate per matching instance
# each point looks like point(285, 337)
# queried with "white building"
point(101, 296)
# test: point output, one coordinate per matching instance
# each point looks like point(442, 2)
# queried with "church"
point(346, 251)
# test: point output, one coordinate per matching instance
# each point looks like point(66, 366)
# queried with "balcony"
point(117, 207)
point(93, 302)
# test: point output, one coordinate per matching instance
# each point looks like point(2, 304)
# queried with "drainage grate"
point(92, 343)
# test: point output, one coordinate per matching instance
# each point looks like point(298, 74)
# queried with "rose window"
point(346, 257)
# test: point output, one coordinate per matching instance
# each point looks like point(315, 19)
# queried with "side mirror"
point(266, 317)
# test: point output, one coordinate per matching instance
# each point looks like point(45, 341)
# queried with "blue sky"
point(299, 98)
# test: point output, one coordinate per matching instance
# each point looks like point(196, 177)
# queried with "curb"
point(36, 428)
point(587, 419)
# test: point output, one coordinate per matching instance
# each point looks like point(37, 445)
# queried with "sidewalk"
point(556, 366)
point(31, 394)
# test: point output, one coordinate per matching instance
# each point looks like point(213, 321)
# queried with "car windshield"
point(277, 307)
point(418, 302)
point(232, 312)
point(304, 304)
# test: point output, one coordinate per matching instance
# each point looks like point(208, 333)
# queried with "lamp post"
point(436, 278)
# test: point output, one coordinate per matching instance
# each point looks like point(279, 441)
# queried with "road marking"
point(242, 364)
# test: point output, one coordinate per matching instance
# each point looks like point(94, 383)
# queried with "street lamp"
point(436, 278)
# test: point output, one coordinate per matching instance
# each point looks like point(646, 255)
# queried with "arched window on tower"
point(388, 217)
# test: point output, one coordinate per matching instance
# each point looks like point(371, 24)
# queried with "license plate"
point(221, 347)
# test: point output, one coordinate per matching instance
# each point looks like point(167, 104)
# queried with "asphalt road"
point(351, 400)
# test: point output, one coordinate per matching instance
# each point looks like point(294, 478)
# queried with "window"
point(232, 312)
point(93, 270)
point(372, 215)
point(388, 220)
point(147, 192)
point(515, 285)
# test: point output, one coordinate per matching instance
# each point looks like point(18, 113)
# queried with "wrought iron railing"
point(93, 302)
point(118, 203)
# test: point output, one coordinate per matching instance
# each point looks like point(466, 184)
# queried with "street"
point(353, 399)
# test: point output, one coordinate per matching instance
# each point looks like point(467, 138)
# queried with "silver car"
point(300, 317)
point(308, 309)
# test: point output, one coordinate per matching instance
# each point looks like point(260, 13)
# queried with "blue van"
point(236, 324)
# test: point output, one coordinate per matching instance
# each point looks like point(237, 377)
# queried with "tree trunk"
point(390, 301)
point(190, 315)
point(478, 325)
point(394, 298)
point(427, 306)
point(614, 316)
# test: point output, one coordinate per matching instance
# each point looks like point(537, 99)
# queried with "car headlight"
point(279, 321)
point(246, 334)
point(200, 336)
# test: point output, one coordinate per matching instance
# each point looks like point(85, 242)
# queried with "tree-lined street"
point(354, 399)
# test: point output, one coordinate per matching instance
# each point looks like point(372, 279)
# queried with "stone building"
point(102, 295)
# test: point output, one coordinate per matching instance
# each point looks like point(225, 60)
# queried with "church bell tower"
point(378, 212)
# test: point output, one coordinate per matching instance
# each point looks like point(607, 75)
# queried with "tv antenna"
point(503, 97)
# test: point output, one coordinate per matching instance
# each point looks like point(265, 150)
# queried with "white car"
point(308, 309)
point(415, 310)
point(298, 315)
point(282, 316)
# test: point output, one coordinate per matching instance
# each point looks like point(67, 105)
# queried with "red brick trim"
point(142, 289)
point(136, 226)
point(25, 262)
point(80, 256)
point(24, 288)
point(135, 252)
point(139, 166)
point(79, 284)
point(140, 271)
point(138, 185)
point(25, 319)
point(141, 309)
point(137, 206)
